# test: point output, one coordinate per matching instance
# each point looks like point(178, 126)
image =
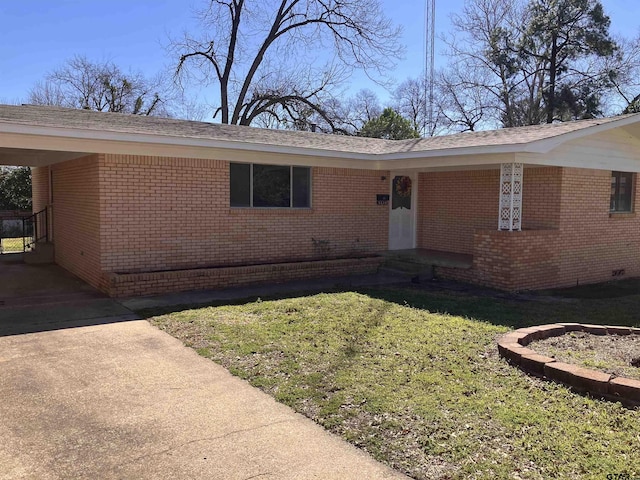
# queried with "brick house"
point(141, 205)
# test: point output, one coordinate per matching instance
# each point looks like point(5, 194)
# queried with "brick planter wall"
point(511, 260)
point(133, 284)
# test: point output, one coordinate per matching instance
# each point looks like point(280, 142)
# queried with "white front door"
point(402, 216)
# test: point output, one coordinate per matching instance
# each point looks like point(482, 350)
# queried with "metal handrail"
point(40, 228)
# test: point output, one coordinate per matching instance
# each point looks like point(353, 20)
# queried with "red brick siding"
point(164, 214)
point(526, 260)
point(541, 195)
point(129, 215)
point(593, 241)
point(454, 205)
point(586, 245)
point(76, 218)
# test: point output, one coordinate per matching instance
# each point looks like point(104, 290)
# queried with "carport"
point(36, 298)
point(39, 282)
point(24, 284)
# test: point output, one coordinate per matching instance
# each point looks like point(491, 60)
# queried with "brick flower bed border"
point(513, 347)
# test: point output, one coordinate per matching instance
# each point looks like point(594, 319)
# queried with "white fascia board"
point(546, 145)
point(93, 141)
point(48, 138)
point(458, 152)
point(619, 164)
point(464, 159)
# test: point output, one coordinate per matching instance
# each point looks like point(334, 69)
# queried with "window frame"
point(291, 167)
point(616, 196)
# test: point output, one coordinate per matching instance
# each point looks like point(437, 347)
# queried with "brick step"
point(42, 253)
point(433, 258)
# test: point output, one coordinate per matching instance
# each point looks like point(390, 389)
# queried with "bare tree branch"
point(242, 40)
point(81, 83)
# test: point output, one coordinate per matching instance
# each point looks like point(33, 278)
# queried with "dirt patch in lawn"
point(617, 355)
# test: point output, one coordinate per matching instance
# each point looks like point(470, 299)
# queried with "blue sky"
point(39, 35)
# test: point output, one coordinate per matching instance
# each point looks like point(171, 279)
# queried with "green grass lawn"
point(413, 377)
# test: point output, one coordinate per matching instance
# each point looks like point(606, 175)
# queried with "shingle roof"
point(40, 116)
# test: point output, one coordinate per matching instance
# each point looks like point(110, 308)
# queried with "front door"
point(402, 218)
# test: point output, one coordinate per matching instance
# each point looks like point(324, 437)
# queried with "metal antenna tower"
point(429, 65)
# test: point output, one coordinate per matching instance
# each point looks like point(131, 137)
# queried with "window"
point(621, 192)
point(269, 186)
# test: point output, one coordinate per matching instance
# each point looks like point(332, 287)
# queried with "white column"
point(511, 182)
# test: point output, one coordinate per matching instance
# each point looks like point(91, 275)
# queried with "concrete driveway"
point(124, 400)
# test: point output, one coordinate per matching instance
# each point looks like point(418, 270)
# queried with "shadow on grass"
point(607, 304)
point(516, 311)
point(606, 290)
point(147, 313)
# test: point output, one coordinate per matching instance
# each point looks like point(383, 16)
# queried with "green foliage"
point(15, 188)
point(634, 106)
point(535, 61)
point(561, 33)
point(390, 125)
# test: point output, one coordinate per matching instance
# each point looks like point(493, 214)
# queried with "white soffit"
point(630, 124)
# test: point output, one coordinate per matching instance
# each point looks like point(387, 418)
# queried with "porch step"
point(434, 258)
point(42, 253)
point(416, 272)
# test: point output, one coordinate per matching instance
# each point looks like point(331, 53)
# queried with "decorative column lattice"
point(510, 215)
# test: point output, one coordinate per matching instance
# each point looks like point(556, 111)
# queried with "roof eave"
point(81, 136)
point(548, 144)
point(92, 141)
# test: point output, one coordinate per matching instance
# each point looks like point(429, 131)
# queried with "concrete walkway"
point(124, 400)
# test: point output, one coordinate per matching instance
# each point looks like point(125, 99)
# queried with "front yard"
point(413, 377)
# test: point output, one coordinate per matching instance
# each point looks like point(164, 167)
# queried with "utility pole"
point(429, 65)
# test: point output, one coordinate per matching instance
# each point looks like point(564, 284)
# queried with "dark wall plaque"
point(382, 199)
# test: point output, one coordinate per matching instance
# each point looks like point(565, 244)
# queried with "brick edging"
point(512, 346)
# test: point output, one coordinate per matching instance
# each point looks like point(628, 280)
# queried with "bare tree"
point(356, 111)
point(266, 57)
point(340, 116)
point(485, 34)
point(531, 61)
point(83, 84)
point(625, 77)
point(409, 100)
point(460, 107)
